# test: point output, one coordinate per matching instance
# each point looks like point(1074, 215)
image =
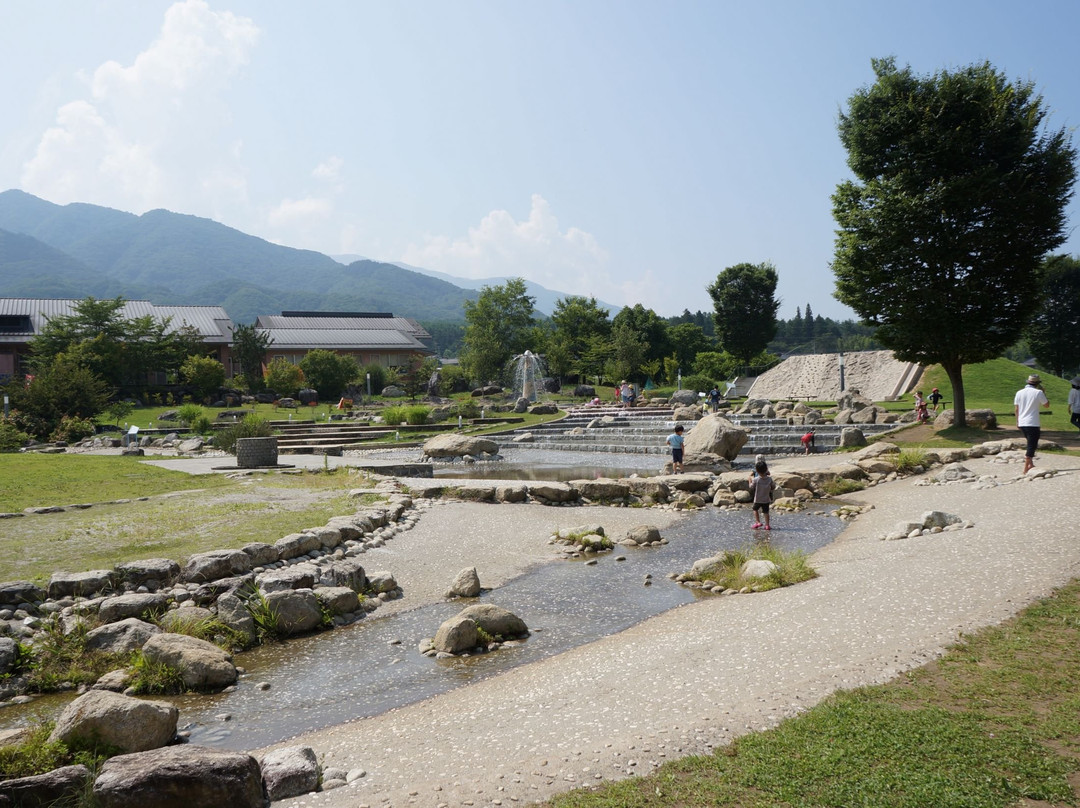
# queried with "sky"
point(620, 149)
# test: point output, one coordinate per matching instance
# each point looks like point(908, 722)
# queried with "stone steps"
point(644, 431)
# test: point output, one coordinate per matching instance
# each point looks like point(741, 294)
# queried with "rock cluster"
point(476, 629)
point(299, 579)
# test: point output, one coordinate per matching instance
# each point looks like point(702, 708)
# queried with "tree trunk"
point(956, 379)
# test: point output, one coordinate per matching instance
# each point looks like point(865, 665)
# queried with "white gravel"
point(700, 675)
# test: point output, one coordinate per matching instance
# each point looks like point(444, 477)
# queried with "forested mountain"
point(78, 250)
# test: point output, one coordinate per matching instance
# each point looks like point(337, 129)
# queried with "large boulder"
point(684, 397)
point(111, 719)
point(181, 777)
point(291, 771)
point(149, 570)
point(121, 637)
point(63, 786)
point(298, 576)
point(454, 445)
point(232, 612)
point(495, 620)
point(602, 488)
point(456, 635)
point(851, 436)
point(75, 584)
point(202, 665)
point(297, 610)
point(980, 419)
point(552, 491)
point(138, 605)
point(465, 585)
point(12, 593)
point(715, 434)
point(338, 599)
point(8, 651)
point(216, 564)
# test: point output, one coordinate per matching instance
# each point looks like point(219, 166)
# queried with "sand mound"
point(878, 375)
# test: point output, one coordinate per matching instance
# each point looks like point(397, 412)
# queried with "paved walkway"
point(700, 675)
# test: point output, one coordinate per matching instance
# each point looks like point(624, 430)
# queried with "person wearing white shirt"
point(1026, 404)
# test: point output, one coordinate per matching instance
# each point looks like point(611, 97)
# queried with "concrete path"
point(700, 675)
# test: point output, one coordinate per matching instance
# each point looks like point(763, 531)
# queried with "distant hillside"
point(30, 268)
point(545, 298)
point(174, 258)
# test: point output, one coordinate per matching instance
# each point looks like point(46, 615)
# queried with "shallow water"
point(374, 666)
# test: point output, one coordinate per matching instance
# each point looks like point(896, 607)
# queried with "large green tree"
point(744, 309)
point(649, 328)
point(577, 323)
point(960, 190)
point(499, 325)
point(1053, 333)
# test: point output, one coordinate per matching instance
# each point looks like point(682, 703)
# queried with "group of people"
point(1026, 404)
point(923, 405)
point(762, 486)
point(625, 394)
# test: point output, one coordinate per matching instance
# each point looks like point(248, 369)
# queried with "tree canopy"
point(499, 325)
point(1053, 333)
point(744, 308)
point(959, 192)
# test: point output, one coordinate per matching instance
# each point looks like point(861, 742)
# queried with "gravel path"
point(700, 675)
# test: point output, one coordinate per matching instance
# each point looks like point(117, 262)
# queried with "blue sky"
point(621, 149)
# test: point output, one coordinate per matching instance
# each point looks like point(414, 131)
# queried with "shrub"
point(910, 459)
point(11, 437)
point(59, 658)
point(842, 485)
point(417, 415)
point(698, 383)
point(452, 379)
point(73, 429)
point(202, 425)
point(791, 568)
point(393, 415)
point(252, 426)
point(467, 409)
point(153, 678)
point(203, 373)
point(378, 377)
point(188, 413)
point(283, 377)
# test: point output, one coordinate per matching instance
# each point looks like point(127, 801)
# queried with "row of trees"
point(581, 340)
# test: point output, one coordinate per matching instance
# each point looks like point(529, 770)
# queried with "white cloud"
point(570, 261)
point(299, 211)
point(153, 133)
point(329, 169)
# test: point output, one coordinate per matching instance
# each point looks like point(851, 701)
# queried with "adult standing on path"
point(1026, 409)
point(1074, 402)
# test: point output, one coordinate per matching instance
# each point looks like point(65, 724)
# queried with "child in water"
point(762, 487)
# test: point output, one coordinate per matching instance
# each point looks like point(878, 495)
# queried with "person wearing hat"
point(1074, 402)
point(1026, 408)
point(935, 398)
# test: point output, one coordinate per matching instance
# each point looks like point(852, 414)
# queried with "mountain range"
point(79, 250)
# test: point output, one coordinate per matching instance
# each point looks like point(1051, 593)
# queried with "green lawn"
point(993, 384)
point(30, 480)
